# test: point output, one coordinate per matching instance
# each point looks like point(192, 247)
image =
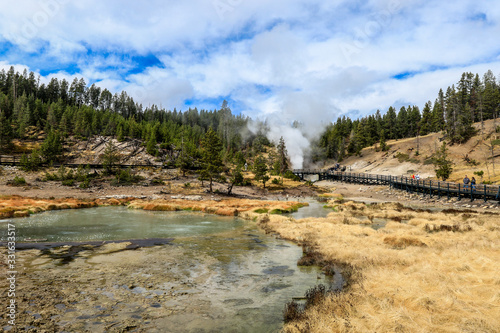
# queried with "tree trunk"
point(230, 188)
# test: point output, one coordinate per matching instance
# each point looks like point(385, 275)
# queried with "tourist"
point(473, 183)
point(466, 182)
point(417, 177)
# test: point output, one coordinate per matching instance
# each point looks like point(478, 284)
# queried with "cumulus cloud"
point(283, 60)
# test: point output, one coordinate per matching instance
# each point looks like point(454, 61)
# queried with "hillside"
point(401, 159)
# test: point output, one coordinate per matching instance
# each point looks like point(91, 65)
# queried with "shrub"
point(85, 183)
point(49, 177)
point(292, 312)
point(276, 181)
point(429, 161)
point(126, 177)
point(290, 175)
point(31, 162)
point(17, 181)
point(82, 173)
point(402, 157)
point(479, 173)
point(315, 295)
point(68, 182)
point(246, 182)
point(157, 181)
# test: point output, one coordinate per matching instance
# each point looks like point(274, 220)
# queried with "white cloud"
point(294, 58)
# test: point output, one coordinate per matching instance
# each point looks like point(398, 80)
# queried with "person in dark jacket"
point(473, 183)
point(466, 182)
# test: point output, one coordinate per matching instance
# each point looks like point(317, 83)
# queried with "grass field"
point(423, 272)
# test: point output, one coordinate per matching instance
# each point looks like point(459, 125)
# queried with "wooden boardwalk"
point(16, 161)
point(432, 188)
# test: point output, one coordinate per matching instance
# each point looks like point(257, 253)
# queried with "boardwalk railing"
point(426, 187)
point(16, 161)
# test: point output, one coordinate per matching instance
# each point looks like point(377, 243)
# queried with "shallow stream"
point(219, 274)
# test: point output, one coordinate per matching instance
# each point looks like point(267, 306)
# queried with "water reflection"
point(231, 276)
point(115, 223)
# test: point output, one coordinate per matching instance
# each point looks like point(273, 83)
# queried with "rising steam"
point(311, 111)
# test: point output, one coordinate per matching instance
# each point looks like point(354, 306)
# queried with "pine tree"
point(110, 158)
point(52, 121)
point(66, 125)
point(52, 147)
point(151, 144)
point(31, 162)
point(444, 166)
point(5, 133)
point(187, 157)
point(414, 119)
point(491, 95)
point(402, 123)
point(390, 119)
point(437, 117)
point(235, 178)
point(465, 128)
point(383, 143)
point(211, 156)
point(282, 158)
point(119, 135)
point(260, 170)
point(426, 121)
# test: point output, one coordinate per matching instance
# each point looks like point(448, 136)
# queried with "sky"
point(305, 60)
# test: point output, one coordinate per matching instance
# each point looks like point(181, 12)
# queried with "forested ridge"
point(63, 109)
point(84, 111)
point(471, 100)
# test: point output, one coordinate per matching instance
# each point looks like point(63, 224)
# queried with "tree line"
point(85, 111)
point(205, 140)
point(471, 100)
point(64, 109)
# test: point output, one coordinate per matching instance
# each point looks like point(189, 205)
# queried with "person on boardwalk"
point(473, 183)
point(466, 182)
point(417, 177)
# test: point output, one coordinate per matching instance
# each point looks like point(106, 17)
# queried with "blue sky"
point(291, 60)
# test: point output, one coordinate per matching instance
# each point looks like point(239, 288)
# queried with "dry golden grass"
point(226, 207)
point(16, 206)
point(406, 277)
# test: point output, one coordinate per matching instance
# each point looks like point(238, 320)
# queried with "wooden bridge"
point(423, 186)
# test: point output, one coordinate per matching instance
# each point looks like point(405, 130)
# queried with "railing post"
point(430, 188)
point(459, 193)
point(471, 194)
point(448, 192)
point(439, 194)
